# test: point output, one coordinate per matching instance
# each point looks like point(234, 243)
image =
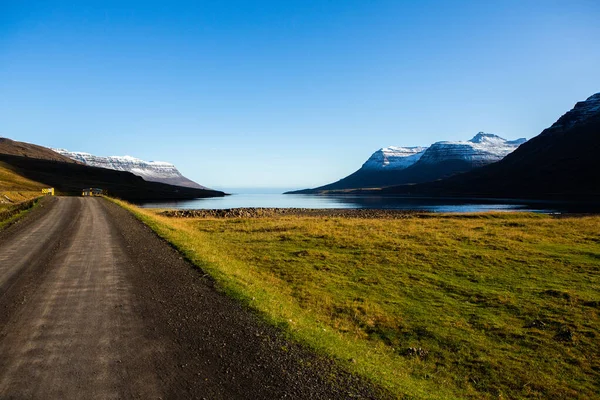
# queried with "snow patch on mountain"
point(484, 148)
point(394, 158)
point(154, 171)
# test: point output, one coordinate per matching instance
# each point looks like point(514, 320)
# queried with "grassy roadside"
point(479, 306)
point(11, 213)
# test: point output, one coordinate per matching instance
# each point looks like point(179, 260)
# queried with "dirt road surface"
point(94, 305)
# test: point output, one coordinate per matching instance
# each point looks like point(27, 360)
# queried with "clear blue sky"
point(287, 93)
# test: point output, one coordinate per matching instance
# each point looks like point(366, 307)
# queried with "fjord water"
point(277, 200)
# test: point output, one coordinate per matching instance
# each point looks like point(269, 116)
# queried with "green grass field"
point(471, 306)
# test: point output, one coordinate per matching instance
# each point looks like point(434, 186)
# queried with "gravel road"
point(94, 305)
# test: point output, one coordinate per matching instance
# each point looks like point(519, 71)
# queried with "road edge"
point(17, 211)
point(380, 391)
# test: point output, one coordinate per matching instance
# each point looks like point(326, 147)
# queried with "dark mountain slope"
point(365, 178)
point(561, 163)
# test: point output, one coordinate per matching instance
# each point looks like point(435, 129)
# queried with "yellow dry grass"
point(15, 188)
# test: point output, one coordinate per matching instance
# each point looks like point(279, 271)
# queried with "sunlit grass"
point(16, 195)
point(15, 188)
point(478, 306)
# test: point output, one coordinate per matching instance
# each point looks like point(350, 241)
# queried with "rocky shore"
point(304, 212)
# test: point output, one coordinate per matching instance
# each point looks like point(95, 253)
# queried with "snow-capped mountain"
point(561, 163)
point(400, 165)
point(154, 171)
point(484, 148)
point(393, 157)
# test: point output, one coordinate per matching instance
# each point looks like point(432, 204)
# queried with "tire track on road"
point(74, 334)
point(29, 247)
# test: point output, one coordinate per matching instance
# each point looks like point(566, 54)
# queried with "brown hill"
point(14, 148)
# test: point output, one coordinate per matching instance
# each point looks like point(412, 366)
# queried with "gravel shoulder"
point(93, 304)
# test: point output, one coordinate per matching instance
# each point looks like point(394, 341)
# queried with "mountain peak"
point(582, 111)
point(594, 97)
point(485, 137)
point(484, 148)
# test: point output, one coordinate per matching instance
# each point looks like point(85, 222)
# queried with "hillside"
point(15, 188)
point(32, 163)
point(11, 181)
point(561, 163)
point(15, 148)
point(154, 171)
point(70, 178)
point(401, 165)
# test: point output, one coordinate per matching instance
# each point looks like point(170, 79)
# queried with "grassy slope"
point(16, 188)
point(16, 195)
point(489, 306)
point(70, 178)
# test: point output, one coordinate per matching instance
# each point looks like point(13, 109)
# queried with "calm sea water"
point(347, 201)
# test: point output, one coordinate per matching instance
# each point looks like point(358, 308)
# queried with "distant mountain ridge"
point(153, 171)
point(482, 149)
point(69, 177)
point(561, 163)
point(391, 166)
